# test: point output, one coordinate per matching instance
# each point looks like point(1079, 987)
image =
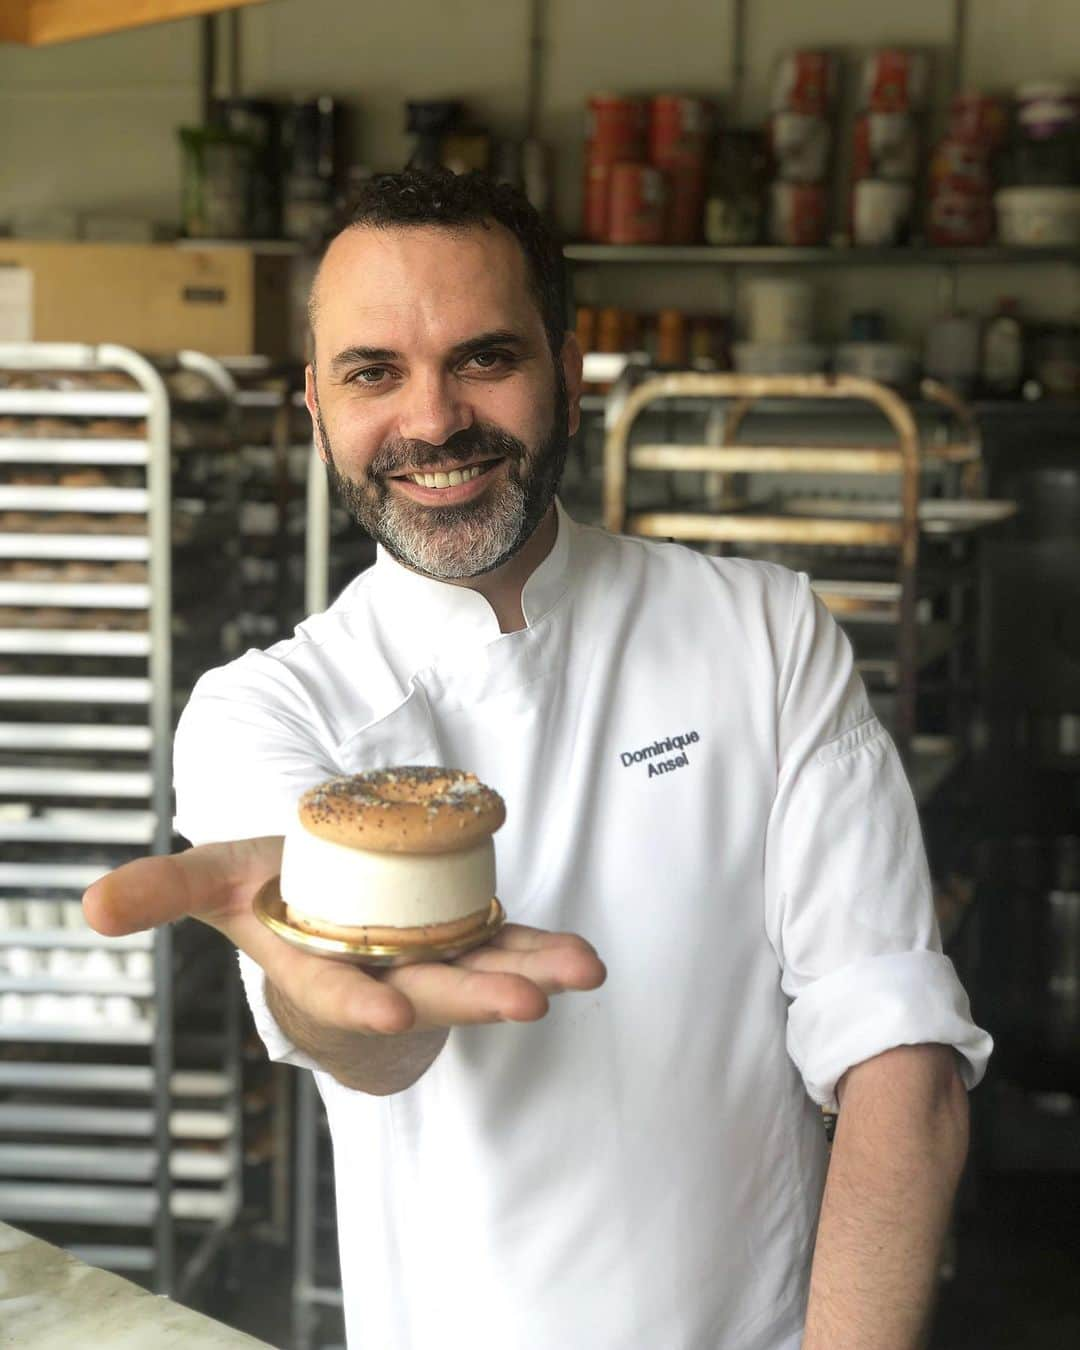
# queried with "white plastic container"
point(779, 358)
point(1038, 217)
point(779, 310)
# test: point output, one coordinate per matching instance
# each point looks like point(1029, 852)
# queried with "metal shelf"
point(75, 783)
point(73, 735)
point(119, 1206)
point(77, 450)
point(53, 876)
point(180, 489)
point(44, 497)
point(767, 255)
point(120, 1121)
point(99, 986)
point(80, 1163)
point(78, 939)
point(80, 689)
point(83, 827)
point(87, 595)
point(84, 547)
point(141, 1033)
point(129, 1078)
point(73, 403)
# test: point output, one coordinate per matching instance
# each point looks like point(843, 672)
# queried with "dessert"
point(399, 857)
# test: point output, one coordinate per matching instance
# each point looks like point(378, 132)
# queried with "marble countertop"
point(51, 1301)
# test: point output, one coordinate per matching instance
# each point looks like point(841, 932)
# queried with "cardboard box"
point(225, 300)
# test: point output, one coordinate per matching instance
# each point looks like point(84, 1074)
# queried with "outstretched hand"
point(509, 979)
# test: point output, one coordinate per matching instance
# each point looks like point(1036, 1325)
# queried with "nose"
point(433, 408)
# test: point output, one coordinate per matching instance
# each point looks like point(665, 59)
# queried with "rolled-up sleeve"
point(849, 905)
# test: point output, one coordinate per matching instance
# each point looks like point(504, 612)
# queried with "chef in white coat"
point(702, 807)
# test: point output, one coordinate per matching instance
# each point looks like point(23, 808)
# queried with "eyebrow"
point(497, 337)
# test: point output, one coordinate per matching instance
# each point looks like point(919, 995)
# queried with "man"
point(695, 784)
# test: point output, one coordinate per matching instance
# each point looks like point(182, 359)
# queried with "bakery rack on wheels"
point(888, 543)
point(119, 1102)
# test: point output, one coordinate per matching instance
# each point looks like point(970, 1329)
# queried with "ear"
point(572, 363)
point(311, 401)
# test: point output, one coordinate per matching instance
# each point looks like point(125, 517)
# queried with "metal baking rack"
point(316, 1274)
point(891, 565)
point(119, 1104)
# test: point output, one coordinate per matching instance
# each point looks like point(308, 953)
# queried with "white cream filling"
point(351, 886)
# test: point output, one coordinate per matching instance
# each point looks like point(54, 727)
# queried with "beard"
point(451, 543)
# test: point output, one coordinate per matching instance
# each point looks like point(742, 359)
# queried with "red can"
point(958, 219)
point(678, 130)
point(804, 82)
point(962, 166)
point(798, 214)
point(596, 200)
point(685, 219)
point(894, 81)
point(615, 127)
point(978, 119)
point(638, 202)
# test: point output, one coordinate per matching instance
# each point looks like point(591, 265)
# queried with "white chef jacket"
point(696, 783)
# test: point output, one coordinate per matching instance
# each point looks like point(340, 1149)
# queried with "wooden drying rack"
point(745, 526)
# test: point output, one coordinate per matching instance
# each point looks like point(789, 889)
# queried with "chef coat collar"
point(443, 617)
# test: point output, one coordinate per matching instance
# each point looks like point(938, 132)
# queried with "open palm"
point(509, 979)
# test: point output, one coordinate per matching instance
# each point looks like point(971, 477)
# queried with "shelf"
point(62, 826)
point(56, 876)
point(74, 735)
point(128, 1122)
point(75, 783)
point(140, 1033)
point(77, 450)
point(767, 255)
point(97, 987)
point(80, 1163)
point(74, 938)
point(45, 497)
point(81, 689)
point(80, 595)
point(73, 403)
point(133, 1078)
point(118, 1206)
point(107, 547)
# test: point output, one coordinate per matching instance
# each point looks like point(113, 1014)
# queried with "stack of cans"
point(960, 207)
point(893, 89)
point(645, 168)
point(800, 138)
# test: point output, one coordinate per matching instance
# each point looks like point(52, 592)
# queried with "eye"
point(369, 376)
point(492, 358)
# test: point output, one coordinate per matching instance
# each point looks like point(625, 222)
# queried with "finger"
point(519, 937)
point(450, 995)
point(207, 882)
point(333, 994)
point(566, 964)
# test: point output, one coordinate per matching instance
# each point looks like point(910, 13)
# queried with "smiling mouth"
point(449, 477)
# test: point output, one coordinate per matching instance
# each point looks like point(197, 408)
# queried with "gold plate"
point(270, 909)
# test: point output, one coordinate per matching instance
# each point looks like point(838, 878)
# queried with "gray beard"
point(452, 543)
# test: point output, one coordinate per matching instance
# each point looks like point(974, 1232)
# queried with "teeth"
point(451, 479)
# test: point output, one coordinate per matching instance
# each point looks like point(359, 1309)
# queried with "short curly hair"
point(439, 197)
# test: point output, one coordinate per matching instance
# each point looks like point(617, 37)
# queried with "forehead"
point(420, 285)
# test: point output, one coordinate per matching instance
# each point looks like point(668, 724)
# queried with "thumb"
point(210, 882)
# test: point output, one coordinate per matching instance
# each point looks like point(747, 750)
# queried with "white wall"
point(92, 124)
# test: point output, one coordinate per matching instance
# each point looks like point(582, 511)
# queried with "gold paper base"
point(270, 909)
